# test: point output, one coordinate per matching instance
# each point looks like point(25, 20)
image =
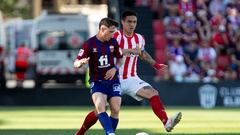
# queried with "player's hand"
point(79, 63)
point(160, 67)
point(136, 50)
point(110, 74)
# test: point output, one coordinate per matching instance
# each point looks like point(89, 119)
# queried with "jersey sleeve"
point(117, 49)
point(84, 52)
point(143, 43)
point(117, 36)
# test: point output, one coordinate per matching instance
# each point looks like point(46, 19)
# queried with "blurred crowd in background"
point(198, 39)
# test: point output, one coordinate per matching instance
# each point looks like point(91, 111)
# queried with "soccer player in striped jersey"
point(132, 45)
point(99, 52)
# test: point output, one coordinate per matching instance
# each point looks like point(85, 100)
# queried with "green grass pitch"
point(66, 120)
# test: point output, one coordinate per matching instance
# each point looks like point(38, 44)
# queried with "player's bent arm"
point(79, 62)
point(127, 51)
point(135, 51)
point(145, 56)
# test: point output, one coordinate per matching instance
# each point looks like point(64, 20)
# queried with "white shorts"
point(132, 85)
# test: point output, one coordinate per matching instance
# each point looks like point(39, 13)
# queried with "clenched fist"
point(79, 63)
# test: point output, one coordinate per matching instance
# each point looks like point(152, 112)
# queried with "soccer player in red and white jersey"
point(132, 45)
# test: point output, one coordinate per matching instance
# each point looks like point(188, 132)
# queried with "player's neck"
point(128, 34)
point(100, 38)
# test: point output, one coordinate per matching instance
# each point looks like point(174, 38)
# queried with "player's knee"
point(152, 93)
point(115, 111)
point(155, 92)
point(100, 107)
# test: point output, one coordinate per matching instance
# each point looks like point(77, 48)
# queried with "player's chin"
point(108, 38)
point(132, 29)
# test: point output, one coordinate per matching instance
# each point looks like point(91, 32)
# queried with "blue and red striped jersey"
point(101, 55)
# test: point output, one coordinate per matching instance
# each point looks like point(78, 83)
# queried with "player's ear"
point(122, 21)
point(103, 28)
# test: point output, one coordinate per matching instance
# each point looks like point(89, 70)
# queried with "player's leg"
point(89, 121)
point(115, 105)
point(158, 108)
point(99, 100)
point(139, 89)
point(151, 94)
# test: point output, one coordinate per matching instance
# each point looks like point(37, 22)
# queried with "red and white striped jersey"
point(129, 67)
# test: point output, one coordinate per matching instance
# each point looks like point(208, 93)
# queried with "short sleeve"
point(117, 36)
point(143, 43)
point(117, 49)
point(84, 52)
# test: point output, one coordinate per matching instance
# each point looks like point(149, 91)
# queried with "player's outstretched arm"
point(147, 57)
point(78, 63)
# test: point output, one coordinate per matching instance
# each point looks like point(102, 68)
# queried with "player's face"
point(129, 24)
point(108, 32)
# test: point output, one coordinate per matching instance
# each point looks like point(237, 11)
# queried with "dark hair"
point(108, 22)
point(128, 13)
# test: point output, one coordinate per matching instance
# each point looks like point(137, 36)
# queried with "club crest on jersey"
point(94, 49)
point(111, 48)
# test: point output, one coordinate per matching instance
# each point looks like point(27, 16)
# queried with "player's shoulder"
point(117, 34)
point(90, 41)
point(113, 41)
point(139, 35)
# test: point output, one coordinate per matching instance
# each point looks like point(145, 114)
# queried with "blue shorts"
point(111, 88)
